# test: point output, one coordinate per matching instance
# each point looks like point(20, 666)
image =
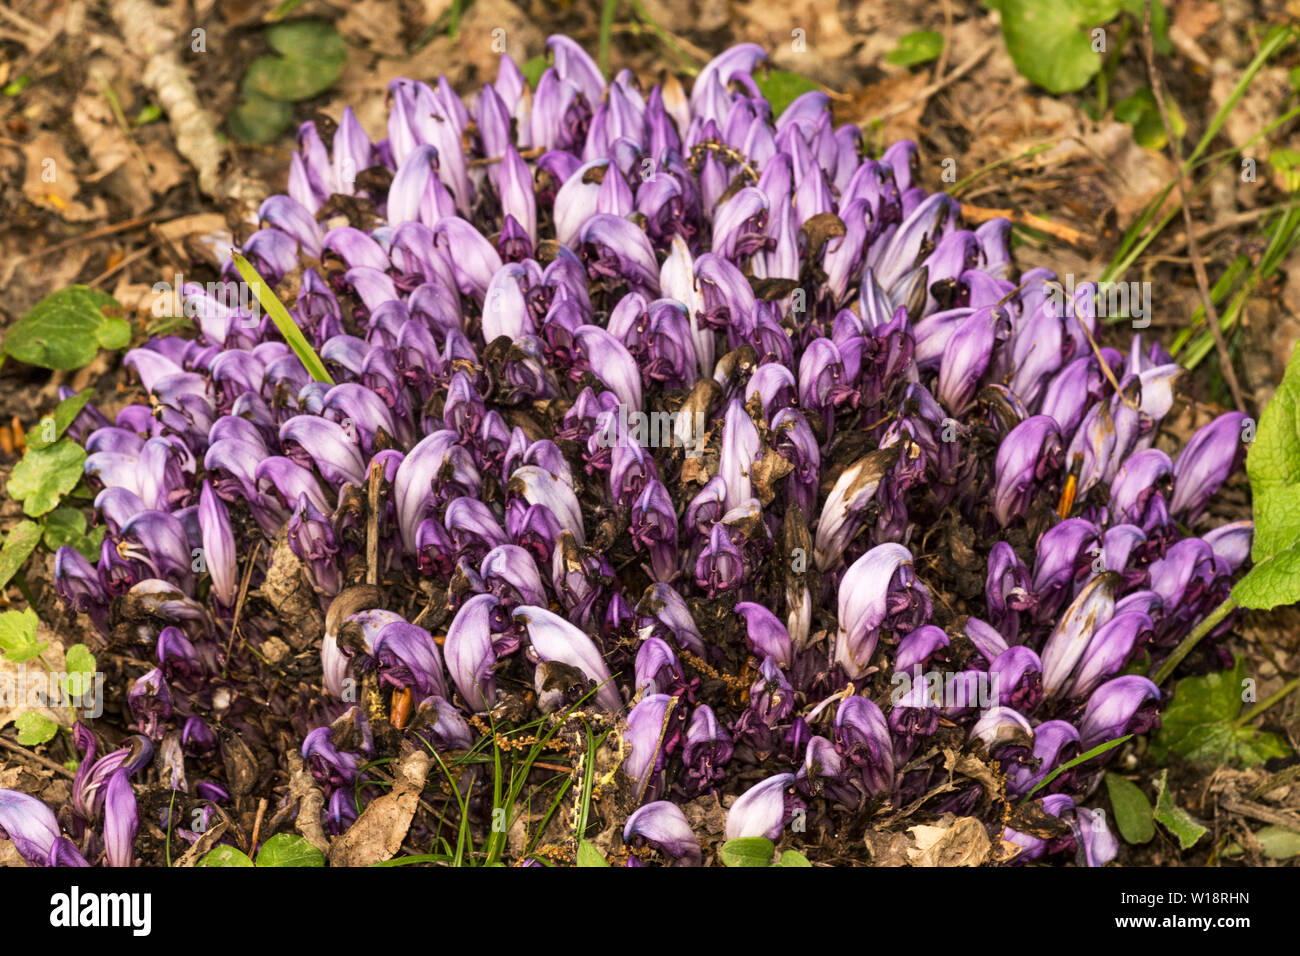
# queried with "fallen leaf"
point(50, 183)
point(379, 831)
point(964, 842)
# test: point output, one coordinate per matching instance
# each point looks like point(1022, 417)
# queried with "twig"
point(257, 825)
point(1281, 778)
point(928, 91)
point(1193, 246)
point(1266, 703)
point(1192, 639)
point(1030, 221)
point(1263, 814)
point(126, 261)
point(376, 477)
point(36, 758)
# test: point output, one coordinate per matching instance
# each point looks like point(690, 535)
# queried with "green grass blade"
point(283, 320)
point(1082, 758)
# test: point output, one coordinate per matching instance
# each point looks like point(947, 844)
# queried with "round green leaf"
point(1049, 41)
point(35, 729)
point(289, 849)
point(66, 329)
point(1132, 809)
point(307, 40)
point(289, 81)
point(45, 475)
point(747, 851)
point(259, 119)
point(225, 856)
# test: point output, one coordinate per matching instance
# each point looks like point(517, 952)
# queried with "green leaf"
point(782, 88)
point(225, 856)
point(1287, 164)
point(312, 59)
point(63, 526)
point(1273, 465)
point(259, 119)
point(1279, 843)
point(65, 330)
point(1197, 725)
point(289, 849)
point(920, 46)
point(50, 428)
point(1049, 41)
point(80, 666)
point(747, 851)
point(1132, 809)
point(1141, 112)
point(792, 858)
point(35, 729)
point(588, 855)
point(1271, 583)
point(45, 475)
point(18, 636)
point(18, 547)
point(1084, 757)
point(533, 70)
point(1173, 817)
point(17, 629)
point(283, 320)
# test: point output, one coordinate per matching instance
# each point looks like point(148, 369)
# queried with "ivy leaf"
point(747, 851)
point(793, 858)
point(920, 46)
point(65, 330)
point(35, 729)
point(588, 855)
point(781, 88)
point(51, 427)
point(1173, 817)
point(18, 547)
point(289, 849)
point(45, 475)
point(1197, 725)
point(1049, 41)
point(225, 856)
point(1132, 809)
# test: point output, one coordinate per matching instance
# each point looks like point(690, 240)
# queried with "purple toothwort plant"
point(664, 397)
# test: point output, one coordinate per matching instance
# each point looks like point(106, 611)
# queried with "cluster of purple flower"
point(869, 408)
